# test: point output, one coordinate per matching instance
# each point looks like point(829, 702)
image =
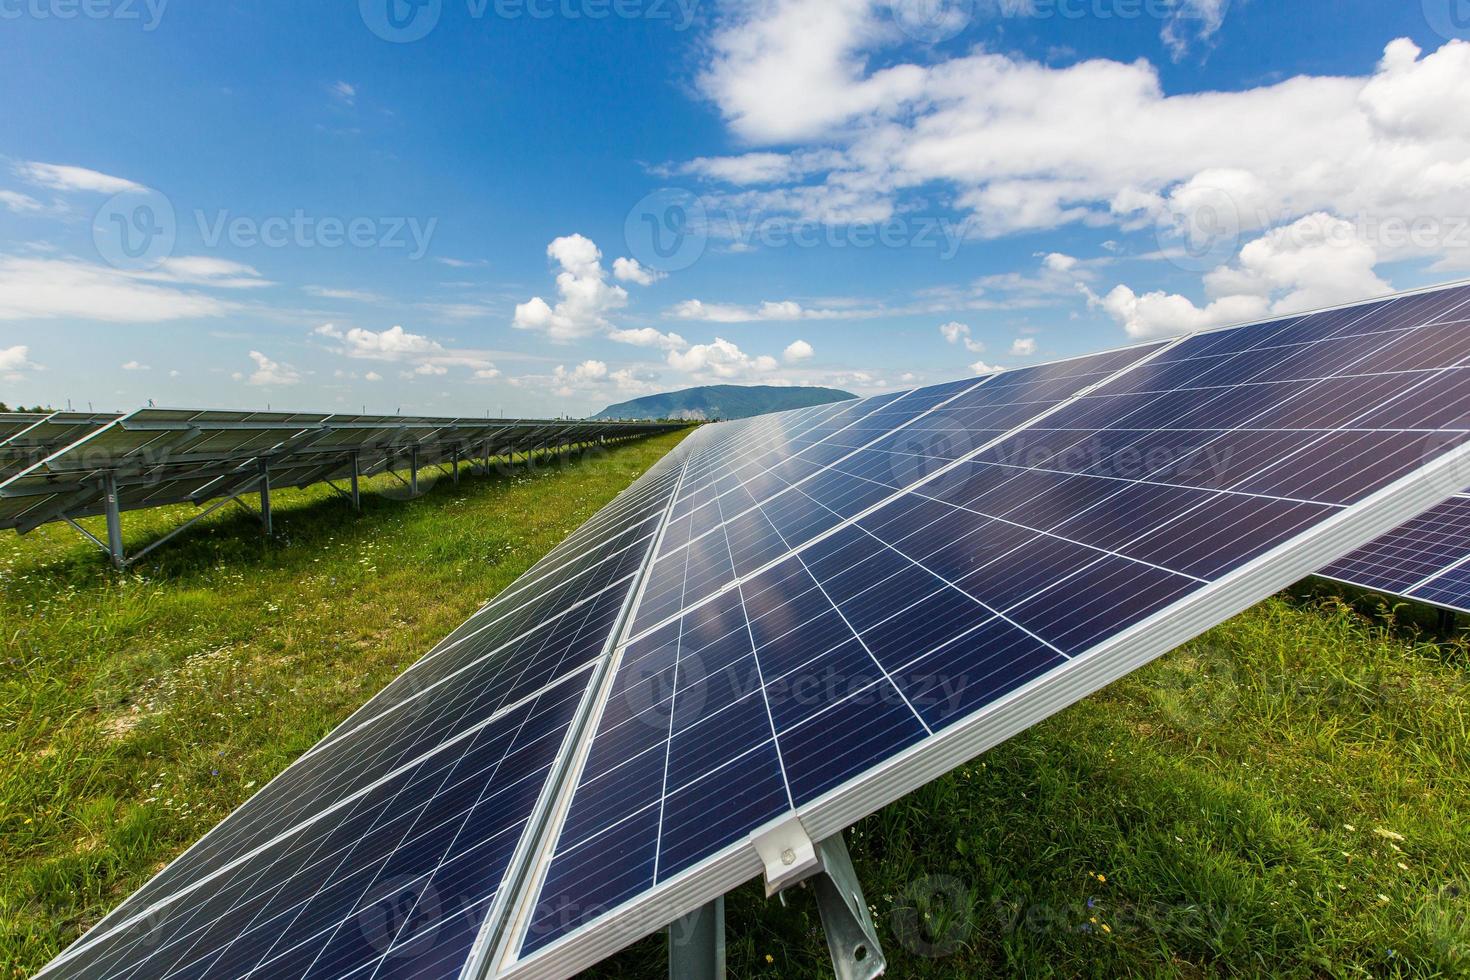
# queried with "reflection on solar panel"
point(79, 466)
point(1427, 559)
point(795, 620)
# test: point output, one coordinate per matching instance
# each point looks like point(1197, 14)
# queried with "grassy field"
point(1287, 794)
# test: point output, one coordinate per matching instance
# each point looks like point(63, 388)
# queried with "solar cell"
point(809, 615)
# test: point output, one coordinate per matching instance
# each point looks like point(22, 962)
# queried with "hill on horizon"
point(722, 402)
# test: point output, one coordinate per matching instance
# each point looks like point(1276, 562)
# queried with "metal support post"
point(697, 944)
point(413, 471)
point(114, 523)
point(356, 482)
point(456, 466)
point(266, 522)
point(1447, 622)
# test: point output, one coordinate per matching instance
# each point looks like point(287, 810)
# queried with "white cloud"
point(955, 333)
point(352, 295)
point(980, 367)
point(785, 311)
point(200, 270)
point(722, 360)
point(270, 373)
point(20, 203)
point(584, 375)
point(1192, 21)
point(631, 270)
point(36, 289)
point(136, 366)
point(1057, 262)
point(344, 93)
point(61, 177)
point(176, 374)
point(14, 361)
point(1023, 346)
point(372, 376)
point(461, 263)
point(1315, 262)
point(586, 298)
point(798, 351)
point(648, 337)
point(399, 346)
point(1024, 146)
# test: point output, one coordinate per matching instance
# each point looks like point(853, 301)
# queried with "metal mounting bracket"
point(791, 859)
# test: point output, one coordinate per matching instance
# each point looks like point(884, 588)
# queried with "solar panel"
point(27, 439)
point(1427, 559)
point(167, 456)
point(801, 618)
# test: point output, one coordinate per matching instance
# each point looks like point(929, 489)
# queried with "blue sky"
point(537, 207)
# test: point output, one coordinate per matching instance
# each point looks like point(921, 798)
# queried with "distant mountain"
point(722, 402)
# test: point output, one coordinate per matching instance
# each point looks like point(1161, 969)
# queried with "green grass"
point(1285, 795)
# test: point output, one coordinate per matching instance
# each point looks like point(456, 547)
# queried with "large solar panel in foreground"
point(1427, 559)
point(807, 614)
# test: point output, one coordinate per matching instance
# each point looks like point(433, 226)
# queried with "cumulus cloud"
point(648, 337)
point(269, 373)
point(61, 177)
point(1019, 145)
point(959, 333)
point(427, 356)
point(1023, 346)
point(980, 367)
point(15, 361)
point(136, 366)
point(586, 297)
point(798, 351)
point(631, 270)
point(1317, 261)
point(723, 360)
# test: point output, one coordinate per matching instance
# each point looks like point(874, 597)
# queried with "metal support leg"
point(413, 472)
point(266, 522)
point(1447, 622)
point(114, 525)
point(356, 482)
point(697, 944)
point(456, 467)
point(852, 938)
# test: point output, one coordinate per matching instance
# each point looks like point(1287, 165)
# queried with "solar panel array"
point(1427, 559)
point(169, 456)
point(811, 613)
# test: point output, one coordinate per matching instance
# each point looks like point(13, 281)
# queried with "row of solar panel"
point(65, 466)
point(808, 613)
